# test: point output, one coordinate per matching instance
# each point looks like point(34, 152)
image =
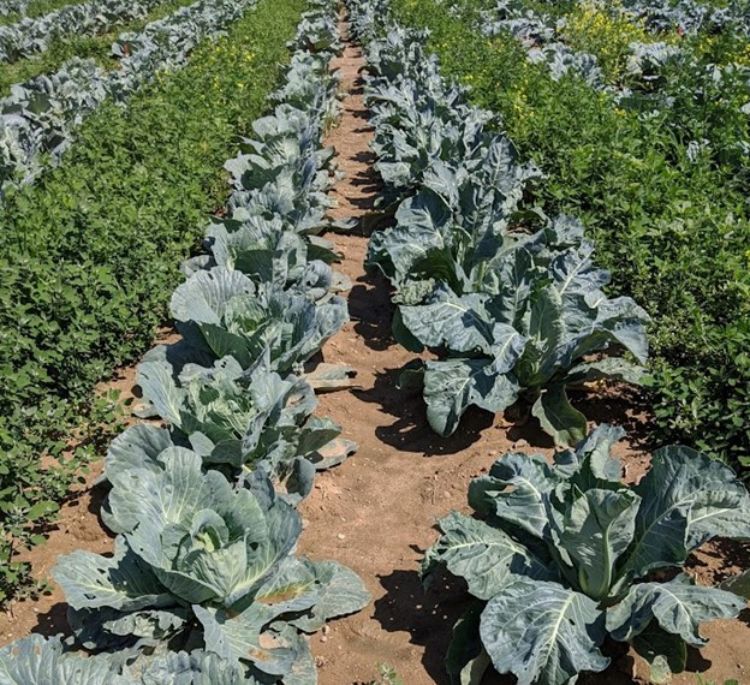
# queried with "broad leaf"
point(486, 557)
point(121, 582)
point(467, 660)
point(558, 417)
point(341, 593)
point(739, 584)
point(452, 386)
point(35, 660)
point(542, 632)
point(463, 324)
point(687, 500)
point(515, 491)
point(678, 606)
point(598, 529)
point(196, 668)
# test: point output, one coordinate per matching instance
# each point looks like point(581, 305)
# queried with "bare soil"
point(376, 513)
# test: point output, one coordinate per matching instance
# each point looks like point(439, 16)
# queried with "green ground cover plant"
point(91, 254)
point(675, 232)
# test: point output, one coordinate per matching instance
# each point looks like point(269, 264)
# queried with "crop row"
point(205, 584)
point(690, 16)
point(13, 7)
point(562, 560)
point(514, 313)
point(31, 36)
point(38, 119)
point(673, 227)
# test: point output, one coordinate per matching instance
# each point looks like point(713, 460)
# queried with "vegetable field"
point(375, 342)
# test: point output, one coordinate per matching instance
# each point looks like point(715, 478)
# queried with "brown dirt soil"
point(376, 513)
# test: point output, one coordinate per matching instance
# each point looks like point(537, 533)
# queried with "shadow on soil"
point(410, 431)
point(719, 560)
point(427, 615)
point(620, 406)
point(53, 622)
point(370, 309)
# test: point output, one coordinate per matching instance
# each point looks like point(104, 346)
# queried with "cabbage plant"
point(242, 420)
point(454, 225)
point(288, 137)
point(223, 312)
point(201, 564)
point(195, 668)
point(418, 118)
point(318, 33)
point(419, 121)
point(520, 322)
point(298, 194)
point(286, 171)
point(309, 84)
point(566, 556)
point(266, 252)
point(34, 660)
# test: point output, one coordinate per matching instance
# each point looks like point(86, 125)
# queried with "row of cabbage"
point(33, 35)
point(39, 117)
point(642, 84)
point(514, 313)
point(205, 586)
point(690, 16)
point(539, 35)
point(562, 559)
point(8, 7)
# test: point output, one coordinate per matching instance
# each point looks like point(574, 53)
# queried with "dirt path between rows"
point(376, 513)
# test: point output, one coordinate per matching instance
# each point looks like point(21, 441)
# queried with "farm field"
point(375, 342)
